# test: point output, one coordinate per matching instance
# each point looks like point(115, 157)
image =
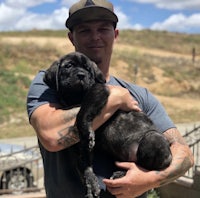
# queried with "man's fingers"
point(125, 165)
point(112, 183)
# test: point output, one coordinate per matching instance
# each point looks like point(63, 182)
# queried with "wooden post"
point(193, 54)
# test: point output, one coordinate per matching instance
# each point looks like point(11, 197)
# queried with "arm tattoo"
point(174, 136)
point(179, 169)
point(69, 136)
point(182, 157)
point(71, 114)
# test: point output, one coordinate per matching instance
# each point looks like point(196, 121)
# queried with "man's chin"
point(96, 59)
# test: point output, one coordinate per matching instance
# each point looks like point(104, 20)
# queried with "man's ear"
point(70, 36)
point(116, 33)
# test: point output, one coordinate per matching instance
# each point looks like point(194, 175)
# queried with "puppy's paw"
point(91, 181)
point(118, 174)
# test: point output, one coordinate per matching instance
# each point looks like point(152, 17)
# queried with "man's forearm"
point(68, 136)
point(182, 158)
point(55, 127)
point(180, 164)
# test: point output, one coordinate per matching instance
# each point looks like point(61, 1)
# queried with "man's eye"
point(84, 31)
point(104, 29)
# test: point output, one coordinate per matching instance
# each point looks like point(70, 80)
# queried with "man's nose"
point(95, 35)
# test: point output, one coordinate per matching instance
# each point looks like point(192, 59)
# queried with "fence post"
point(193, 54)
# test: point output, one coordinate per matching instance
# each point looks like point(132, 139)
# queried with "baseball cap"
point(90, 10)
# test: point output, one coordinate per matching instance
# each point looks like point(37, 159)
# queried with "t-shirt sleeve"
point(155, 111)
point(39, 94)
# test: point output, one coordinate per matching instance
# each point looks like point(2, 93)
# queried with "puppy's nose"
point(81, 75)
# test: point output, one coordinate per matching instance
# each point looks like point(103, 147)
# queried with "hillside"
point(159, 61)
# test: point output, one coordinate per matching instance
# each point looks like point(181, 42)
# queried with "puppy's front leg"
point(92, 104)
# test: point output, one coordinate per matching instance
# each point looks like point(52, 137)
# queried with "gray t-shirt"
point(62, 179)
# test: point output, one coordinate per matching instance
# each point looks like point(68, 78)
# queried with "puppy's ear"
point(50, 75)
point(98, 74)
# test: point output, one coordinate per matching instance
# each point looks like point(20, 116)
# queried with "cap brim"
point(90, 14)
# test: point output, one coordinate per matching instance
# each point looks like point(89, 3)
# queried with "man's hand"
point(123, 97)
point(133, 184)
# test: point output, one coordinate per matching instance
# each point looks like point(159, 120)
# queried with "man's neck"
point(105, 70)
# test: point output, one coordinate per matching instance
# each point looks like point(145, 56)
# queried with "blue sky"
point(171, 15)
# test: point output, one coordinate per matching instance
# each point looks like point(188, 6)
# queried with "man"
point(92, 26)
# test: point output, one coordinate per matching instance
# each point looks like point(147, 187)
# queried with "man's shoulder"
point(39, 93)
point(129, 85)
point(39, 76)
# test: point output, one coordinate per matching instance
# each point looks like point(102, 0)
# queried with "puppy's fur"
point(127, 136)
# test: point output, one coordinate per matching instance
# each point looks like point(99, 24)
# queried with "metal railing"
point(21, 171)
point(193, 139)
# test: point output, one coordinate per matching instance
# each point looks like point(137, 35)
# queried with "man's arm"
point(55, 127)
point(182, 157)
point(137, 180)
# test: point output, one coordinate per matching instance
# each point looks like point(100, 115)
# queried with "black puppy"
point(127, 136)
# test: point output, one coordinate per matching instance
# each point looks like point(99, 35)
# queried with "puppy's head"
point(73, 75)
point(154, 151)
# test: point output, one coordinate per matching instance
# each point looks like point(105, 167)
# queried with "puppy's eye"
point(86, 66)
point(68, 65)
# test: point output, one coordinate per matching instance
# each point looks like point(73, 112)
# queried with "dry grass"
point(160, 61)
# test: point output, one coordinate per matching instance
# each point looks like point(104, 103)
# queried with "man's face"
point(94, 39)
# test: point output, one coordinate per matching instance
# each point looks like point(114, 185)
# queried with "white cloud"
point(22, 19)
point(179, 23)
point(9, 16)
point(179, 5)
point(124, 21)
point(26, 3)
point(138, 26)
point(68, 2)
point(37, 21)
point(173, 4)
